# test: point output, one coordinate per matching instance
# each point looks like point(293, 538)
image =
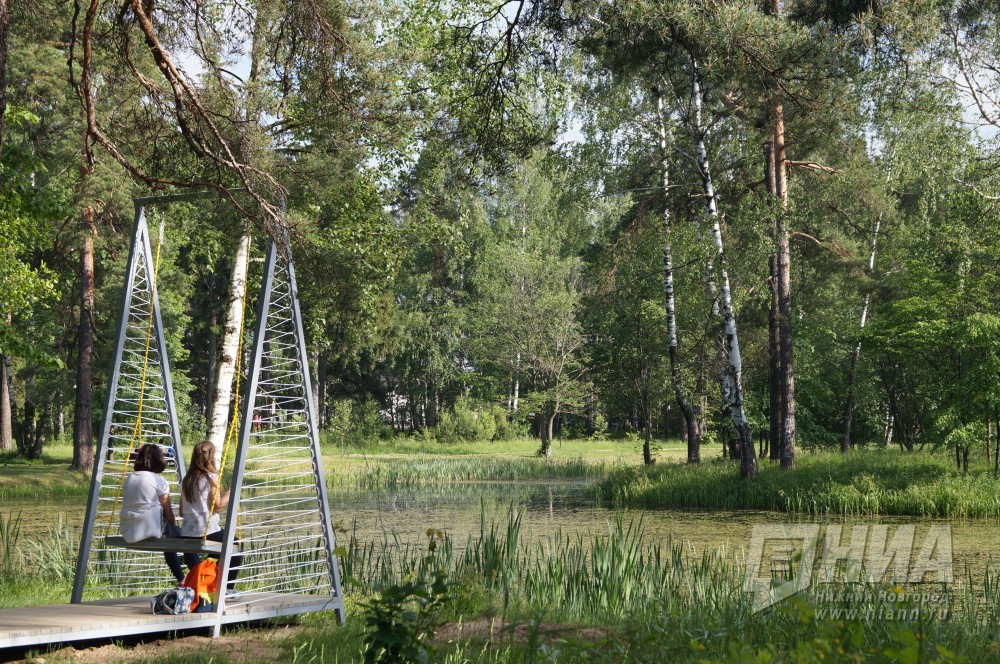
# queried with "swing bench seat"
point(167, 545)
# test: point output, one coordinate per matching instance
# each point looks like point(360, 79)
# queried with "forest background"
point(755, 227)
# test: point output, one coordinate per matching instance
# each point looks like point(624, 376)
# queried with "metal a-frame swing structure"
point(278, 511)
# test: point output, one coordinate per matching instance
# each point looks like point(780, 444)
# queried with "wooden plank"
point(112, 618)
point(167, 545)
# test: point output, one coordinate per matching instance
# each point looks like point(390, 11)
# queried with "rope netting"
point(139, 415)
point(280, 516)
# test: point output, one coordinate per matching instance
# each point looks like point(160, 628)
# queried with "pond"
point(569, 507)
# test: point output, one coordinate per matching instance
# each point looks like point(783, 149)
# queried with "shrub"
point(466, 422)
point(600, 427)
point(356, 423)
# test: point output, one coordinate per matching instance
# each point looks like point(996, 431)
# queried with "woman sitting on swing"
point(201, 504)
point(146, 511)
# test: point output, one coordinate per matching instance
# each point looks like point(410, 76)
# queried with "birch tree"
point(731, 379)
point(681, 396)
point(856, 354)
point(533, 325)
point(225, 366)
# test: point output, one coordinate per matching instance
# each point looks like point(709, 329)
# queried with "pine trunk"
point(27, 437)
point(6, 430)
point(8, 377)
point(222, 390)
point(774, 366)
point(4, 28)
point(731, 376)
point(773, 343)
point(647, 453)
point(784, 296)
point(42, 428)
point(546, 421)
point(989, 435)
point(83, 431)
point(683, 402)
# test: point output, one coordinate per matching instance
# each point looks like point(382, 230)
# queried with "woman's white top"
point(196, 512)
point(142, 514)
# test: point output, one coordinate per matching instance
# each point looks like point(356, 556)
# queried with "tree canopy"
point(758, 226)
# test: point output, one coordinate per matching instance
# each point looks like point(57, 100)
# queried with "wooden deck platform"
point(112, 618)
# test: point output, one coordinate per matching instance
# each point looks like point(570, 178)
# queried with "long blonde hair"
point(202, 463)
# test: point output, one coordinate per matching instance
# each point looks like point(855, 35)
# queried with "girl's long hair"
point(202, 463)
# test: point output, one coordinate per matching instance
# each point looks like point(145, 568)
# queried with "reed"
point(651, 600)
point(52, 555)
point(10, 531)
point(397, 473)
point(647, 598)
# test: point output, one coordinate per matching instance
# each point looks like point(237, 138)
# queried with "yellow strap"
point(137, 429)
point(230, 434)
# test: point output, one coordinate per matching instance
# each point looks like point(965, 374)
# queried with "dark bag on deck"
point(175, 601)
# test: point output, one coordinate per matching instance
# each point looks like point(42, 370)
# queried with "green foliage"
point(626, 322)
point(402, 618)
point(356, 424)
point(467, 422)
point(428, 276)
point(27, 283)
point(600, 426)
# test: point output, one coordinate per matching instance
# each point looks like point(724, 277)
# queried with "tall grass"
point(10, 531)
point(612, 576)
point(386, 474)
point(53, 553)
point(862, 483)
point(655, 600)
point(651, 600)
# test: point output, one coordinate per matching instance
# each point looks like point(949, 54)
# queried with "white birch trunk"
point(222, 392)
point(856, 356)
point(691, 424)
point(516, 394)
point(731, 377)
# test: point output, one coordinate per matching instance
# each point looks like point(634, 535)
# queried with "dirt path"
point(243, 647)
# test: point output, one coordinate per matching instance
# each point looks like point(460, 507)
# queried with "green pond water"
point(567, 507)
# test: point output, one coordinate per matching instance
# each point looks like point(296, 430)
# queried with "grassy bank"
point(390, 464)
point(612, 597)
point(598, 450)
point(387, 473)
point(48, 478)
point(863, 482)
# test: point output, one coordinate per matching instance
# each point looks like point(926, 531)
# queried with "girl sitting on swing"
point(198, 490)
point(146, 510)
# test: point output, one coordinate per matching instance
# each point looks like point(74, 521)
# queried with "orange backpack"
point(203, 580)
